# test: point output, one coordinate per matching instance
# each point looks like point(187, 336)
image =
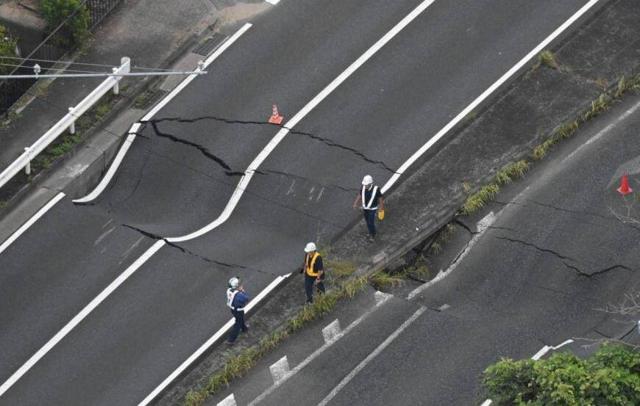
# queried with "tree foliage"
point(75, 29)
point(7, 49)
point(609, 377)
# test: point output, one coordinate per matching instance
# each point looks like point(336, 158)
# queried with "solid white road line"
point(79, 317)
point(371, 356)
point(214, 338)
point(274, 2)
point(547, 348)
point(16, 234)
point(464, 113)
point(280, 135)
point(102, 185)
point(136, 126)
point(315, 354)
point(482, 226)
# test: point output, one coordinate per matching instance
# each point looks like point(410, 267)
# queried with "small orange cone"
point(624, 188)
point(275, 118)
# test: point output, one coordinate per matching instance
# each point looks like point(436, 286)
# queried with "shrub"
point(76, 29)
point(7, 48)
point(610, 377)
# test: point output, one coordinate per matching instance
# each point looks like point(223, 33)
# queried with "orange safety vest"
point(309, 263)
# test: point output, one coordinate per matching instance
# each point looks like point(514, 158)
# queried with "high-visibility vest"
point(309, 263)
point(231, 294)
point(369, 205)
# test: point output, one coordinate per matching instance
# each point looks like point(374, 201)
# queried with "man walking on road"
point(313, 271)
point(237, 299)
point(371, 197)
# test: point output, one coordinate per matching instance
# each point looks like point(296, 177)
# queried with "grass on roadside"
point(238, 365)
point(383, 280)
point(67, 142)
point(517, 169)
point(442, 237)
point(548, 59)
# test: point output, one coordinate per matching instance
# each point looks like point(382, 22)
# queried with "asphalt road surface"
point(559, 250)
point(182, 170)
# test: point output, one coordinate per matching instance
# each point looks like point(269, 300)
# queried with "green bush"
point(8, 49)
point(610, 377)
point(76, 30)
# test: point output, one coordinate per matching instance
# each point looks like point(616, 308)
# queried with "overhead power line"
point(37, 75)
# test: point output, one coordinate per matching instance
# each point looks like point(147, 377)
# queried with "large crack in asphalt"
point(327, 141)
point(203, 150)
point(565, 259)
point(157, 237)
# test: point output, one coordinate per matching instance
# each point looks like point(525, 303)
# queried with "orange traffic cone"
point(624, 188)
point(275, 118)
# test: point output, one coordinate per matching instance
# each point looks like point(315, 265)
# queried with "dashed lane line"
point(345, 381)
point(335, 338)
point(214, 338)
point(237, 193)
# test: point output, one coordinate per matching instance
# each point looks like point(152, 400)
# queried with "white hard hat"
point(234, 282)
point(310, 247)
point(367, 180)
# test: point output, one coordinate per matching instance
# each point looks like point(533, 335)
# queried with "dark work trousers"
point(370, 218)
point(308, 286)
point(239, 325)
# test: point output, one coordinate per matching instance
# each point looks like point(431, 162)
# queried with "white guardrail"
point(67, 122)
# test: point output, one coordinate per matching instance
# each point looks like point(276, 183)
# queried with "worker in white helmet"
point(237, 299)
point(372, 200)
point(313, 271)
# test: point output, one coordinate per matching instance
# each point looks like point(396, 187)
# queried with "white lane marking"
point(331, 331)
point(313, 356)
point(482, 226)
point(102, 185)
point(487, 402)
point(371, 356)
point(79, 317)
point(274, 2)
point(604, 131)
point(381, 296)
point(228, 401)
point(535, 51)
point(104, 235)
point(204, 347)
point(547, 348)
point(136, 126)
point(16, 234)
point(279, 369)
point(280, 135)
point(293, 182)
point(130, 249)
